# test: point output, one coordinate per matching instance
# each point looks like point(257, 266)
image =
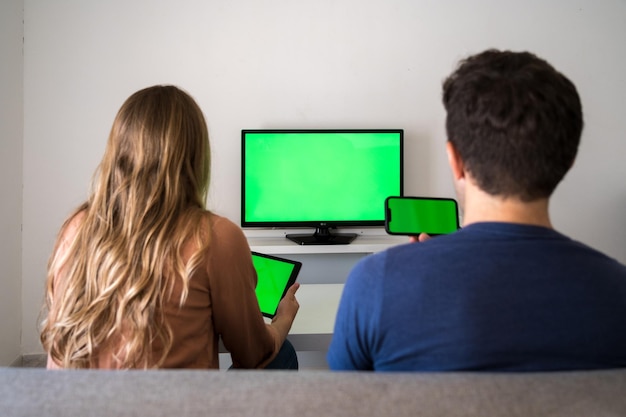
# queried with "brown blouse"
point(221, 303)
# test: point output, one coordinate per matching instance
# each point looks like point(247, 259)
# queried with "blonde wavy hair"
point(106, 290)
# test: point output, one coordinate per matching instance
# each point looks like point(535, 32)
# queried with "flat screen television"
point(323, 179)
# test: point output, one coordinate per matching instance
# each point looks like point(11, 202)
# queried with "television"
point(322, 179)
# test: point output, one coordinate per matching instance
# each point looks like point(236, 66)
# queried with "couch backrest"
point(37, 392)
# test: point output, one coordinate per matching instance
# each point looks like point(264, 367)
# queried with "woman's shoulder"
point(217, 220)
point(223, 228)
point(226, 238)
point(69, 230)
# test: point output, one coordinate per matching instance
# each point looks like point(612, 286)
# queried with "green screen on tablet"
point(274, 276)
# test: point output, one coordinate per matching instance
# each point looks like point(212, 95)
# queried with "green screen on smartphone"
point(274, 276)
point(415, 215)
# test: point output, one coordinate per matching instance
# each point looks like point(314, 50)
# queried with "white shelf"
point(318, 308)
point(313, 327)
point(362, 244)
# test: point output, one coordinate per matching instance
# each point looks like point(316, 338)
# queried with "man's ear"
point(456, 163)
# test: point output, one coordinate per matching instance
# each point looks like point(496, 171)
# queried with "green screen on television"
point(341, 177)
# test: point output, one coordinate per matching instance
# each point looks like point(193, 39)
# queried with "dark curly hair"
point(515, 121)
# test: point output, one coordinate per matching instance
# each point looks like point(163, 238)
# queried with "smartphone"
point(414, 215)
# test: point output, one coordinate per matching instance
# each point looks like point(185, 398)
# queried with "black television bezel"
point(321, 225)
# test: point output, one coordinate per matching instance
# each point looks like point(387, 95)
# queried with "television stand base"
point(322, 239)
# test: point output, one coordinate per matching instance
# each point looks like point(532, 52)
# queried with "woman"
point(142, 276)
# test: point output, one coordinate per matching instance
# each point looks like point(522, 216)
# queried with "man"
point(506, 292)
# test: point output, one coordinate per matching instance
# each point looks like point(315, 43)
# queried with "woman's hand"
point(286, 311)
point(289, 306)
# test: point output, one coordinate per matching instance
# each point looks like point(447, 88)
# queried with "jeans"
point(286, 359)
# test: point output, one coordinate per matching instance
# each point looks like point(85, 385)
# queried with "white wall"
point(11, 132)
point(323, 63)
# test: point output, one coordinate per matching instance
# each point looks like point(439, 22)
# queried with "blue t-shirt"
point(492, 296)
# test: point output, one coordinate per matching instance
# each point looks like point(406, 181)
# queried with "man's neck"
point(482, 207)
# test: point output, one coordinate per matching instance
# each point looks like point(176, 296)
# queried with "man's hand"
point(423, 237)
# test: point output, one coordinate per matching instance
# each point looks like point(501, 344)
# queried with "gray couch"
point(37, 392)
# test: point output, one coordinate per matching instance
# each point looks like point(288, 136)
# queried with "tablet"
point(274, 276)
